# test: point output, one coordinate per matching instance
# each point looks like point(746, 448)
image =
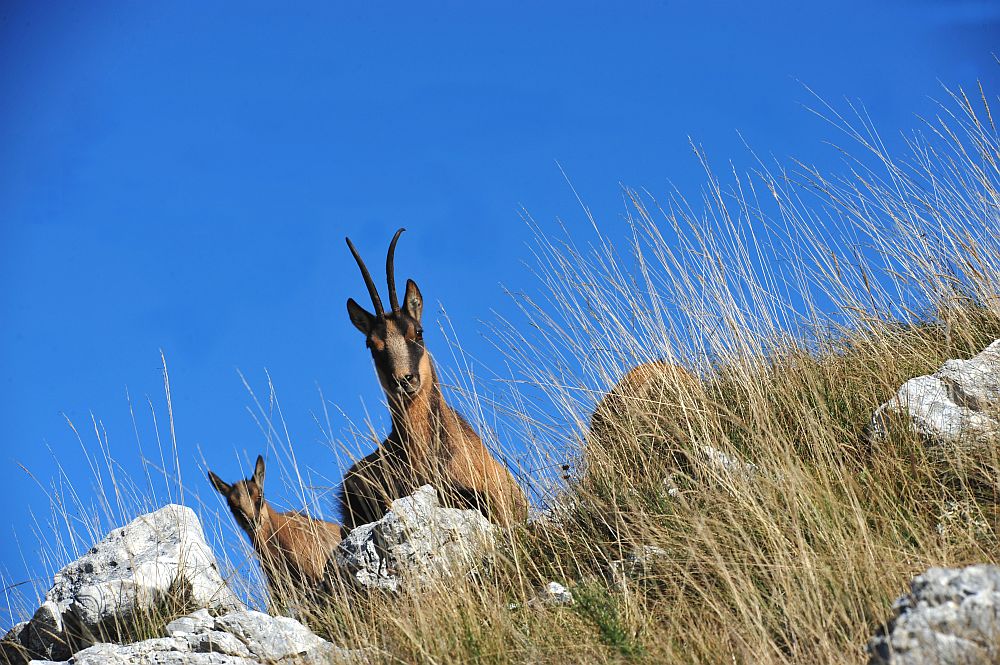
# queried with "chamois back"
point(643, 390)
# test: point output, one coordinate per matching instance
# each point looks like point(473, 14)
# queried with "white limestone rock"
point(415, 544)
point(957, 407)
point(239, 638)
point(950, 617)
point(552, 593)
point(726, 465)
point(156, 556)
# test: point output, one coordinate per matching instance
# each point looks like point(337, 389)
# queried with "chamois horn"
point(372, 291)
point(390, 271)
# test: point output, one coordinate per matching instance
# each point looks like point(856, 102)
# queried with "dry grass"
point(796, 304)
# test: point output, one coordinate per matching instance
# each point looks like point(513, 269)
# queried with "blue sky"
point(179, 176)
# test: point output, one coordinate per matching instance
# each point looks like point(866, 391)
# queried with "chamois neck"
point(267, 523)
point(419, 420)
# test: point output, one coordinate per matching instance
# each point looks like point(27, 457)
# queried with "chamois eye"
point(420, 333)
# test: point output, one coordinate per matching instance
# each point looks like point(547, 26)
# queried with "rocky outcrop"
point(950, 617)
point(416, 544)
point(158, 560)
point(957, 408)
point(159, 566)
point(238, 638)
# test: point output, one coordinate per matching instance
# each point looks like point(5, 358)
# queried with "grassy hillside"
point(794, 303)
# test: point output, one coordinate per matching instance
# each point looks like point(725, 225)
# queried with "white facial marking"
point(399, 353)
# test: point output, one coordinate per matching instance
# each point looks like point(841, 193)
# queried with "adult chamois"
point(430, 442)
point(294, 549)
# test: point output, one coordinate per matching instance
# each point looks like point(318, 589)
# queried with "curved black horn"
point(390, 271)
point(372, 291)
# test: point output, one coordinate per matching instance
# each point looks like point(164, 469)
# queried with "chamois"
point(646, 413)
point(293, 548)
point(430, 442)
point(640, 391)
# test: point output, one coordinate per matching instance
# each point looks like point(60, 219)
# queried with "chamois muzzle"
point(408, 384)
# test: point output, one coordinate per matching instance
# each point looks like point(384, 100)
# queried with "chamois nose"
point(407, 382)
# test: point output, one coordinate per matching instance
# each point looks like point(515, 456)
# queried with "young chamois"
point(293, 548)
point(430, 443)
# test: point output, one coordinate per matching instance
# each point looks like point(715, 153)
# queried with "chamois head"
point(395, 338)
point(245, 497)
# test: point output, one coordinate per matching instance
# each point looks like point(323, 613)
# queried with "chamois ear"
point(360, 317)
point(221, 486)
point(258, 472)
point(413, 302)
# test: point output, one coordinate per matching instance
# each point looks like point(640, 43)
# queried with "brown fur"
point(430, 443)
point(294, 549)
point(629, 394)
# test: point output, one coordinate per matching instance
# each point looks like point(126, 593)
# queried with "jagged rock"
point(239, 638)
point(159, 559)
point(956, 407)
point(726, 464)
point(553, 593)
point(415, 544)
point(950, 617)
point(636, 565)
